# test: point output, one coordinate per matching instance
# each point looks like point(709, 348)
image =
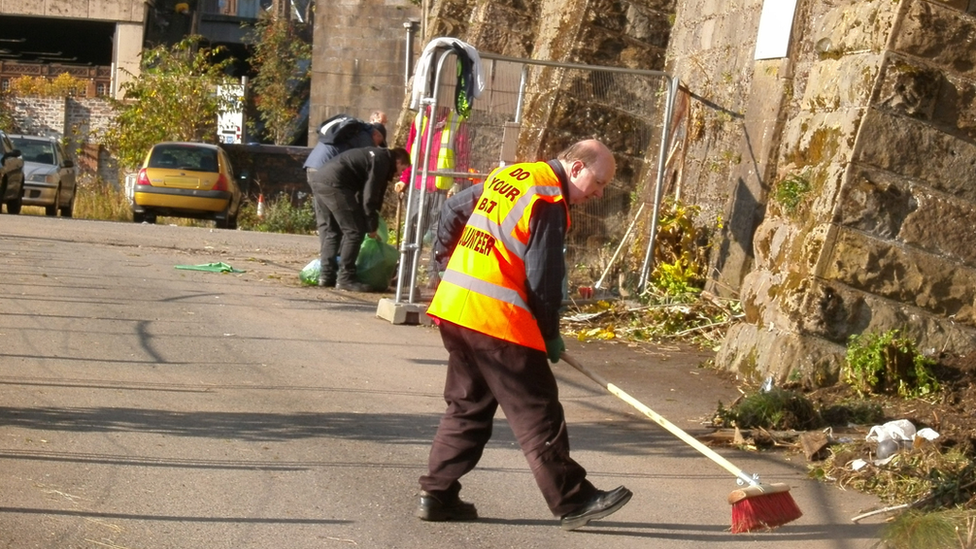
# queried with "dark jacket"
point(545, 263)
point(326, 149)
point(365, 171)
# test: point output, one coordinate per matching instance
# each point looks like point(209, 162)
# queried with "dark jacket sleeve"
point(545, 265)
point(454, 216)
point(321, 154)
point(380, 171)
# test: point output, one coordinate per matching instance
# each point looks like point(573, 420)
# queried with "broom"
point(753, 507)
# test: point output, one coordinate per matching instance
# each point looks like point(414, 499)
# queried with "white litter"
point(898, 430)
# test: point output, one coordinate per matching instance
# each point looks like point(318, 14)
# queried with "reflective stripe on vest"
point(484, 286)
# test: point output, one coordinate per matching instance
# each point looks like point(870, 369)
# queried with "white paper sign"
point(775, 25)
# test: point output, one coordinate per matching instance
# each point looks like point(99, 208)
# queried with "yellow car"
point(194, 180)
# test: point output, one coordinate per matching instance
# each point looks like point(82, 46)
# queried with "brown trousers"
point(484, 372)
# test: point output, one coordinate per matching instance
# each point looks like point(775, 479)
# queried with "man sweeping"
point(497, 308)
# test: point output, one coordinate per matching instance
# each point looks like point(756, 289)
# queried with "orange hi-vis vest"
point(484, 286)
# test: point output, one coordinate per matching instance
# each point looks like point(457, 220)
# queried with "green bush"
point(779, 409)
point(280, 216)
point(951, 529)
point(888, 364)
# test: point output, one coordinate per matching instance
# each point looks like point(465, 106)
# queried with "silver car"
point(49, 176)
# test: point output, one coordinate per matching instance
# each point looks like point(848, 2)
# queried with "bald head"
point(590, 166)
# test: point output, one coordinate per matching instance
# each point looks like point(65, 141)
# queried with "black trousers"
point(484, 372)
point(341, 225)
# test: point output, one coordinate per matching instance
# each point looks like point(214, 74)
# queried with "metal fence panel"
point(532, 110)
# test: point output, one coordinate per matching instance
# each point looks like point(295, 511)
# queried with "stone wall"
point(726, 126)
point(76, 120)
point(872, 109)
point(39, 115)
point(358, 59)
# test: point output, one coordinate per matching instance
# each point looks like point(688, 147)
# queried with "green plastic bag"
point(377, 261)
point(310, 274)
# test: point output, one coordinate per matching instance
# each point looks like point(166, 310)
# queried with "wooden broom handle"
point(660, 420)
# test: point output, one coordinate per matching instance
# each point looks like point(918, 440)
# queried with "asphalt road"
point(143, 406)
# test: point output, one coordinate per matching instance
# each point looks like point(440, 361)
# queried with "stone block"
point(637, 22)
point(755, 352)
point(916, 90)
point(909, 89)
point(939, 35)
point(839, 84)
point(402, 313)
point(939, 160)
point(893, 208)
point(116, 10)
point(818, 137)
point(919, 278)
point(875, 202)
point(852, 27)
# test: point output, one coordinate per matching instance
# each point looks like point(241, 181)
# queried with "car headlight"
point(43, 177)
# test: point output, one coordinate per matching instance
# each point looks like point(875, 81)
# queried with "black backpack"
point(339, 129)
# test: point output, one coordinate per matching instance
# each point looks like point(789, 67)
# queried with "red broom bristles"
point(763, 506)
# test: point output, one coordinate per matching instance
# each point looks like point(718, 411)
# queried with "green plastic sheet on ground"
point(211, 267)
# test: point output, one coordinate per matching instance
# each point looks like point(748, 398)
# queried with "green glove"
point(555, 348)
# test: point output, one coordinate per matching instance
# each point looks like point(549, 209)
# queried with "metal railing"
point(537, 108)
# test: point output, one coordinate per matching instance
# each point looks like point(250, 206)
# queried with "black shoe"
point(601, 505)
point(352, 287)
point(330, 283)
point(434, 510)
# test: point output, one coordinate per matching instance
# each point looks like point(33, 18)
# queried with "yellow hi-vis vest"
point(445, 154)
point(484, 286)
point(443, 143)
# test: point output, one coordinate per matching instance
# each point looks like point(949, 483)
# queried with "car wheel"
point(69, 210)
point(52, 210)
point(225, 220)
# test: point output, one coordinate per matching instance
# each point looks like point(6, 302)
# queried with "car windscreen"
point(33, 150)
point(182, 157)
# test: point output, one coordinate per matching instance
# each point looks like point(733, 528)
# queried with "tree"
point(62, 85)
point(281, 61)
point(7, 121)
point(174, 98)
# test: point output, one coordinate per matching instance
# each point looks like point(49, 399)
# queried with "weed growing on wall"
point(790, 192)
point(887, 363)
